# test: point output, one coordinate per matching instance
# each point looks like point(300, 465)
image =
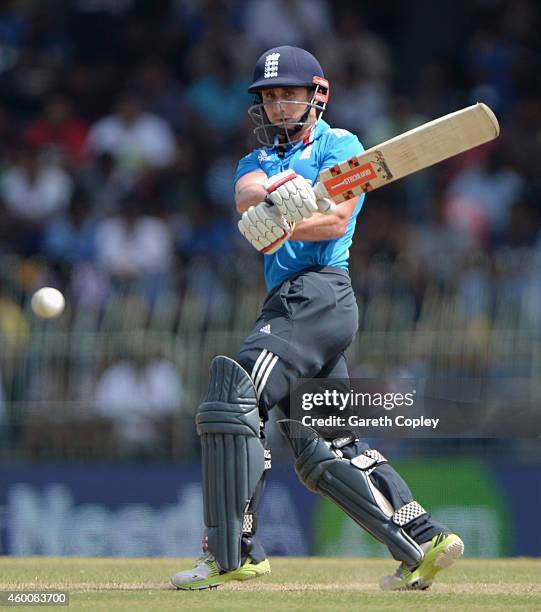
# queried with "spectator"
point(9, 137)
point(400, 118)
point(212, 234)
point(33, 191)
point(58, 127)
point(136, 139)
point(162, 94)
point(69, 238)
point(441, 248)
point(133, 246)
point(271, 23)
point(479, 198)
point(357, 102)
point(14, 329)
point(104, 184)
point(218, 98)
point(355, 42)
point(136, 396)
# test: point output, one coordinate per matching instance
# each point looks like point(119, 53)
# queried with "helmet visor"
point(280, 120)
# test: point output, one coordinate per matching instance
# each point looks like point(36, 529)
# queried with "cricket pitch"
point(306, 584)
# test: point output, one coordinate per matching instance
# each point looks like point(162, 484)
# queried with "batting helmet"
point(286, 66)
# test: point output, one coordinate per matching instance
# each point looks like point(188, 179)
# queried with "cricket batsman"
point(307, 321)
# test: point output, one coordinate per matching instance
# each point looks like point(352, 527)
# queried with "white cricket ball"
point(48, 303)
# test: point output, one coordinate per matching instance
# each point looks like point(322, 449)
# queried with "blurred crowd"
point(122, 121)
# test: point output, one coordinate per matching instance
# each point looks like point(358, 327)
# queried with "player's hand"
point(292, 195)
point(265, 228)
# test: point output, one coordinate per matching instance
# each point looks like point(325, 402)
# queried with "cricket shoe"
point(442, 551)
point(206, 574)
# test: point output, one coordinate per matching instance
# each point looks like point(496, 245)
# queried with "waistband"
point(327, 270)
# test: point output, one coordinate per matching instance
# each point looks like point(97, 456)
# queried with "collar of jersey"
point(319, 128)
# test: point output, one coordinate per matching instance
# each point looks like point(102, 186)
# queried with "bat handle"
point(324, 203)
point(320, 191)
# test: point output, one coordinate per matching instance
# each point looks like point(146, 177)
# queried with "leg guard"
point(323, 468)
point(233, 458)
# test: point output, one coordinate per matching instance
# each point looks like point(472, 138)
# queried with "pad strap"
point(408, 513)
point(249, 523)
point(268, 459)
point(368, 460)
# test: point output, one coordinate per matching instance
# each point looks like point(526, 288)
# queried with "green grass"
point(295, 584)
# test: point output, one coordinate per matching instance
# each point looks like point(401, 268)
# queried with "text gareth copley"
point(382, 421)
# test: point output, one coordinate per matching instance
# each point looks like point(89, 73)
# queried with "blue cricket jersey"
point(324, 147)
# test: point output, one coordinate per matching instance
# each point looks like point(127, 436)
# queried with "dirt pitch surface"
point(295, 584)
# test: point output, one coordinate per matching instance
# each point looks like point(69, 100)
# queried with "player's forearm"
point(249, 195)
point(320, 227)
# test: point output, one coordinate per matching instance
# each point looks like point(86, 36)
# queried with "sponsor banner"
point(156, 510)
point(118, 510)
point(521, 486)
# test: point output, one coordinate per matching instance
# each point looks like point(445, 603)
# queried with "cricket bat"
point(407, 153)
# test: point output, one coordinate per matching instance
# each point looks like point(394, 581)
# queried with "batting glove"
point(292, 195)
point(265, 228)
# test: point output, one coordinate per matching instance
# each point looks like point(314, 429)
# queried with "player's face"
point(285, 104)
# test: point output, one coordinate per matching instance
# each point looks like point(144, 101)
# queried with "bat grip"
point(324, 203)
point(320, 191)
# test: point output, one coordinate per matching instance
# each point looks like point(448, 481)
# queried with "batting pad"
point(233, 457)
point(347, 483)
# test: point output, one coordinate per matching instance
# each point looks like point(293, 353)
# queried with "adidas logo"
point(265, 329)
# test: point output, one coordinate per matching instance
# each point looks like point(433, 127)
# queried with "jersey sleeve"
point(339, 146)
point(249, 163)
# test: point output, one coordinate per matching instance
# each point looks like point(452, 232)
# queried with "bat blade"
point(410, 152)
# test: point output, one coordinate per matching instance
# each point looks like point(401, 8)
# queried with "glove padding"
point(265, 228)
point(294, 197)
